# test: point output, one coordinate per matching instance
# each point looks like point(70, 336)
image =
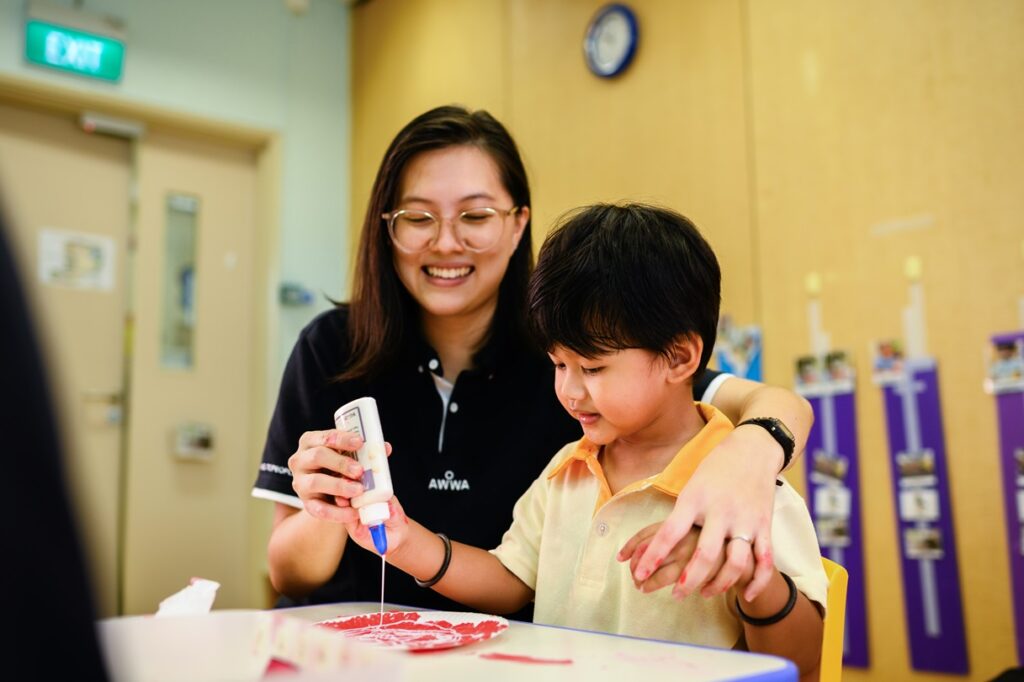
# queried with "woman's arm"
point(742, 399)
point(732, 491)
point(303, 552)
point(306, 545)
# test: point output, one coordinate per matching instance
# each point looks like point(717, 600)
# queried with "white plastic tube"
point(360, 417)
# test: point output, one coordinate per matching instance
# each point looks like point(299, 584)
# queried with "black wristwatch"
point(782, 435)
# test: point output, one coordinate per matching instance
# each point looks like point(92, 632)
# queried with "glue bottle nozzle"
point(380, 538)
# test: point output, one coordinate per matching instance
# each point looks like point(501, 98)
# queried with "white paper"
point(76, 260)
point(195, 599)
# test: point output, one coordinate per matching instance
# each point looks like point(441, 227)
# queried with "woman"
point(436, 333)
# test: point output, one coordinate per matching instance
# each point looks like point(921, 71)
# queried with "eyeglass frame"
point(390, 217)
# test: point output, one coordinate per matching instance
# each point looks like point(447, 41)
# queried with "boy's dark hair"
point(629, 276)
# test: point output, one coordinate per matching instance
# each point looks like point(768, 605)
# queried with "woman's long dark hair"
point(382, 313)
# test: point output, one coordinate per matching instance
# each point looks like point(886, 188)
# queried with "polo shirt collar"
point(676, 474)
point(496, 353)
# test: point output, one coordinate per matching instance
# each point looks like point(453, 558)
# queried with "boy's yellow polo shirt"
point(567, 529)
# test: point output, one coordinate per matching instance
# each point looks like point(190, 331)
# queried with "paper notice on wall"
point(77, 260)
point(738, 349)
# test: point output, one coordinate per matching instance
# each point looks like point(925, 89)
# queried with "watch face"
point(779, 431)
point(611, 40)
point(777, 428)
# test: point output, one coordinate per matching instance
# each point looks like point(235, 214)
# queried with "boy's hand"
point(397, 528)
point(730, 495)
point(728, 568)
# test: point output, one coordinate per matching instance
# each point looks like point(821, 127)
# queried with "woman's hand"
point(326, 474)
point(672, 569)
point(730, 497)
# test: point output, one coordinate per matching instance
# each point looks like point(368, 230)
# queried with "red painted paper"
point(419, 630)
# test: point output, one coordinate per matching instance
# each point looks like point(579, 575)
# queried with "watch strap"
point(779, 432)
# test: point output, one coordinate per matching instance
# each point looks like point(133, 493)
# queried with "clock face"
point(611, 40)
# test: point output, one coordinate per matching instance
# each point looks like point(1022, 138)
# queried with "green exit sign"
point(67, 49)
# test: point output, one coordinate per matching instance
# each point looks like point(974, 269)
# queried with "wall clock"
point(611, 40)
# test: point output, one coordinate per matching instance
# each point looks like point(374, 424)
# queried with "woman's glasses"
point(477, 229)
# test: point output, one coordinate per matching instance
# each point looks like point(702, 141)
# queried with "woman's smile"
point(447, 275)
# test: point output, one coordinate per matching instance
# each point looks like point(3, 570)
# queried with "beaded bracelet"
point(444, 564)
point(771, 620)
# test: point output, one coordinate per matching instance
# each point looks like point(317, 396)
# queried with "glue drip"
point(382, 562)
point(380, 541)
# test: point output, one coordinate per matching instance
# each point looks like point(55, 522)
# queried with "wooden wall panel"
point(670, 130)
point(884, 131)
point(408, 57)
point(802, 136)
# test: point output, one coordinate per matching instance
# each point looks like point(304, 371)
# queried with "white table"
point(594, 656)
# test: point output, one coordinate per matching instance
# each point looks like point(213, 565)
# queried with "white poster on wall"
point(77, 260)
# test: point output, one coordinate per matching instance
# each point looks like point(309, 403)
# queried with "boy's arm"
point(474, 577)
point(797, 637)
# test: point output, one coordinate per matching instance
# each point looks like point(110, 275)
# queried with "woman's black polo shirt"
point(504, 424)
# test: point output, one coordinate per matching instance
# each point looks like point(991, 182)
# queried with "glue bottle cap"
point(375, 513)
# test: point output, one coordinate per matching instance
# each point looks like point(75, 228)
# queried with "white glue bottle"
point(360, 417)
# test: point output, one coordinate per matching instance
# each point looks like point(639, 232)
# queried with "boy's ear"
point(684, 357)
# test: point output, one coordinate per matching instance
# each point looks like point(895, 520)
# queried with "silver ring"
point(742, 537)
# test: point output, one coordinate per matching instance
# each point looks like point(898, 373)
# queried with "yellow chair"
point(835, 622)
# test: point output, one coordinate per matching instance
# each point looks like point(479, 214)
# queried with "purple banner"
point(931, 578)
point(833, 496)
point(1009, 390)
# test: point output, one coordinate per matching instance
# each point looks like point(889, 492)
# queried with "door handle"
point(103, 397)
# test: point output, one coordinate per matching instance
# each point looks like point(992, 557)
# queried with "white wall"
point(248, 62)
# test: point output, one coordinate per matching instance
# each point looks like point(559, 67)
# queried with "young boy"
point(625, 299)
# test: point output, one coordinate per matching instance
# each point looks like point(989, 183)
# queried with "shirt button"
point(453, 408)
point(602, 529)
point(432, 364)
point(420, 369)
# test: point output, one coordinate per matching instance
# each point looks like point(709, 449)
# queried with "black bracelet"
point(771, 620)
point(444, 564)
